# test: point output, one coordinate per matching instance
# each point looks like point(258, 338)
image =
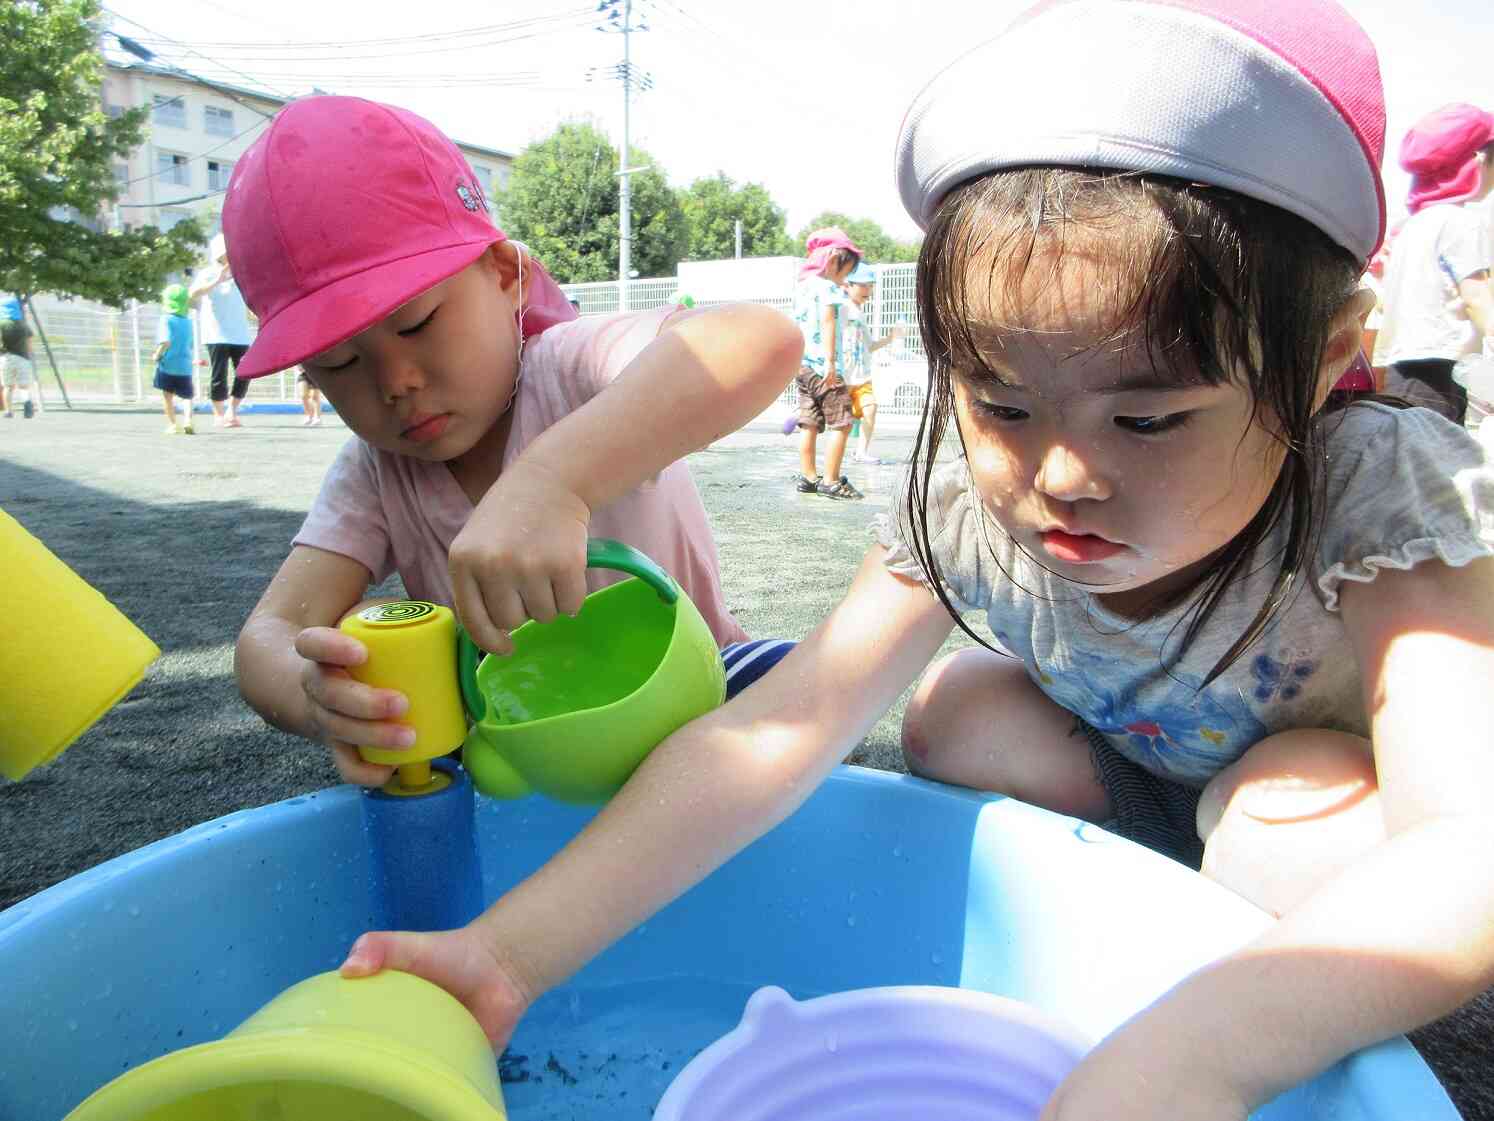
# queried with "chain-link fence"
point(106, 354)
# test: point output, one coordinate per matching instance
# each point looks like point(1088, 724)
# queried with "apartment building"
point(197, 130)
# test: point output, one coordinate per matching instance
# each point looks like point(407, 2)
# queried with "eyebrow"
point(1141, 382)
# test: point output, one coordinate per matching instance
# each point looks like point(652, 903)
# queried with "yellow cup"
point(390, 1047)
point(67, 655)
point(412, 648)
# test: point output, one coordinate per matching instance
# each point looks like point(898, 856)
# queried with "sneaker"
point(173, 430)
point(306, 423)
point(842, 489)
point(188, 430)
point(28, 410)
point(316, 422)
point(808, 486)
point(872, 460)
point(233, 422)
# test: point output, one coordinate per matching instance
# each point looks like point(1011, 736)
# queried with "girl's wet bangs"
point(997, 230)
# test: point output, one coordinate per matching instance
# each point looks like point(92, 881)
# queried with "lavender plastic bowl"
point(882, 1054)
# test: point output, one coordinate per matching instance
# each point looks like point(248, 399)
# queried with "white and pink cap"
point(1278, 100)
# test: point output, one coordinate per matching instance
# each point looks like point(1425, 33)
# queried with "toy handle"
point(601, 552)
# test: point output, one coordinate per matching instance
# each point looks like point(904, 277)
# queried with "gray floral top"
point(1404, 486)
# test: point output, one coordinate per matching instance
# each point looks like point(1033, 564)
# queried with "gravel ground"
point(183, 534)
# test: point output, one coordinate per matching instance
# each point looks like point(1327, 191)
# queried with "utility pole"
point(625, 199)
point(625, 73)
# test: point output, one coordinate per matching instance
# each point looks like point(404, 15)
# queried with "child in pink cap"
point(1439, 301)
point(495, 430)
point(1242, 628)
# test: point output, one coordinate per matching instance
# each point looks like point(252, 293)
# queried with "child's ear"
point(1345, 340)
point(503, 256)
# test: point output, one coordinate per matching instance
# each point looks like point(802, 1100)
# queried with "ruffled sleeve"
point(954, 535)
point(1404, 486)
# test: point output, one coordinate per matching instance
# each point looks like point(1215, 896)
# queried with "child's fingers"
point(337, 692)
point(337, 728)
point(538, 599)
point(570, 591)
point(472, 610)
point(355, 770)
point(330, 646)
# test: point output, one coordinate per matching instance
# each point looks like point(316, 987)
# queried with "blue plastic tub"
point(878, 880)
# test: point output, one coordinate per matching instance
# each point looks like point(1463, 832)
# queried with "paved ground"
point(183, 534)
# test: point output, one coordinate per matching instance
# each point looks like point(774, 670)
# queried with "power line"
point(193, 158)
point(215, 62)
point(584, 14)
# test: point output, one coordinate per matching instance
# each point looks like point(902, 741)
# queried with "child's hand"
point(345, 712)
point(522, 555)
point(456, 960)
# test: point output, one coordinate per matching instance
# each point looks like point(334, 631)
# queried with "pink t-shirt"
point(393, 513)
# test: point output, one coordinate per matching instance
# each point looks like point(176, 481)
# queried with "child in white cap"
point(1246, 631)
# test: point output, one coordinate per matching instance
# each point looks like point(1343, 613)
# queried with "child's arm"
point(205, 281)
point(705, 793)
point(886, 340)
point(522, 553)
point(291, 663)
point(1394, 941)
point(161, 349)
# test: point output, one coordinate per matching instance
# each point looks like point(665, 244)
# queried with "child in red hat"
point(496, 431)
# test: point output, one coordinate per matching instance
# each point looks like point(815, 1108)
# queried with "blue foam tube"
point(426, 875)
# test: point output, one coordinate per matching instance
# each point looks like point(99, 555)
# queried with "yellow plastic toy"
point(67, 655)
point(390, 1047)
point(412, 648)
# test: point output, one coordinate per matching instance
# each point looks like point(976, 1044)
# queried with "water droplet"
point(897, 853)
point(936, 958)
point(850, 920)
point(831, 1044)
point(134, 911)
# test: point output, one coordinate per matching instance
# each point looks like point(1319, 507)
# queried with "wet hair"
point(1218, 287)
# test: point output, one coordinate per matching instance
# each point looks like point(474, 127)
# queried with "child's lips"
point(426, 429)
point(1079, 548)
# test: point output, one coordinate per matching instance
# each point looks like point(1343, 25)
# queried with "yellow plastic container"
point(391, 1047)
point(67, 655)
point(412, 648)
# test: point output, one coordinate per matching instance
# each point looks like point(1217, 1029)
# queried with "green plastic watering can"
point(582, 700)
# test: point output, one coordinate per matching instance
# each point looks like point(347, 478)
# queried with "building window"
point(484, 179)
point(122, 174)
point(218, 173)
point(172, 168)
point(170, 111)
point(217, 122)
point(171, 218)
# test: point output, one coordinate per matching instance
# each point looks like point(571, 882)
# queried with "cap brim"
point(335, 313)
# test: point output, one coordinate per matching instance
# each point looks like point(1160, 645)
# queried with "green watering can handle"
point(601, 552)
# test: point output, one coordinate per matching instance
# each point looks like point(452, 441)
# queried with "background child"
point(1134, 307)
point(860, 347)
point(311, 401)
point(496, 432)
point(225, 332)
point(17, 373)
point(824, 401)
point(173, 359)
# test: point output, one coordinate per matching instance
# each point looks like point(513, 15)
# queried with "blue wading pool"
point(878, 880)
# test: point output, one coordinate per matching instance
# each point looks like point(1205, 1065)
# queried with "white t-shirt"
point(1403, 486)
point(224, 318)
point(1437, 249)
point(857, 367)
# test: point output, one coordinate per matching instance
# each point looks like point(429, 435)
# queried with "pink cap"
point(1278, 101)
point(1441, 153)
point(820, 244)
point(344, 210)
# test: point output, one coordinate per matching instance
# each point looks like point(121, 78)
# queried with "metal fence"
point(105, 354)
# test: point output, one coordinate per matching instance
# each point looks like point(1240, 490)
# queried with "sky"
point(802, 96)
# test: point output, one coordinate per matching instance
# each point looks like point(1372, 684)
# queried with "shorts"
point(746, 662)
point(862, 398)
point(1145, 808)
point(179, 384)
point(821, 408)
point(17, 371)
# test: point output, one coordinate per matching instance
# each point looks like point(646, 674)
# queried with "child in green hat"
point(174, 358)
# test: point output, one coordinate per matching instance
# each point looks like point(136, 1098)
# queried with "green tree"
point(57, 154)
point(879, 246)
point(562, 201)
point(715, 204)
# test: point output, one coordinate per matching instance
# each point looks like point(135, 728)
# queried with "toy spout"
point(415, 776)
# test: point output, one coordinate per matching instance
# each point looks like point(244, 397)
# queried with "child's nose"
point(1066, 476)
point(397, 377)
